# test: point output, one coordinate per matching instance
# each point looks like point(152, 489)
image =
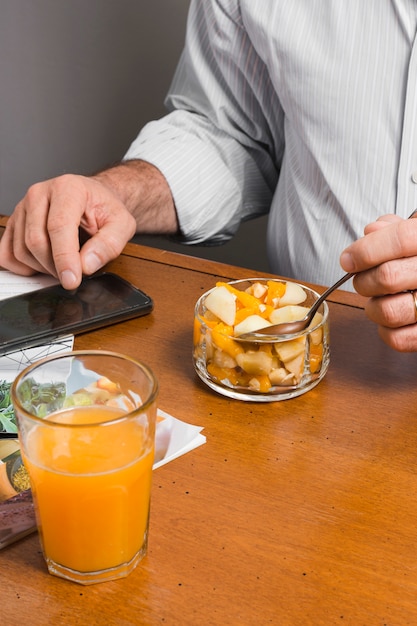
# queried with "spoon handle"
point(329, 291)
point(324, 295)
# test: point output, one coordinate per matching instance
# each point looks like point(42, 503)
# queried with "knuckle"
point(113, 246)
point(406, 237)
point(388, 276)
point(390, 313)
point(34, 192)
point(395, 311)
point(34, 239)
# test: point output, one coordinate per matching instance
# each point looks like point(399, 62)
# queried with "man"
point(304, 109)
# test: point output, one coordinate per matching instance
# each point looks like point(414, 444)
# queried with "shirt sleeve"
point(216, 147)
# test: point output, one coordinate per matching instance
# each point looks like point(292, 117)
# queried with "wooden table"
point(294, 512)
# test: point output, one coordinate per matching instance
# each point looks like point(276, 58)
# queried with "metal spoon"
point(291, 328)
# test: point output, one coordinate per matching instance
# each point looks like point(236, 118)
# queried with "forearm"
point(144, 191)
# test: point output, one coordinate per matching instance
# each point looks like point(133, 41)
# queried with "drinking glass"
point(86, 424)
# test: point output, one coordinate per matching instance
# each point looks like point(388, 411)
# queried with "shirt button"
point(414, 177)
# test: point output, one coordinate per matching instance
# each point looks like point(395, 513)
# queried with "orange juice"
point(91, 485)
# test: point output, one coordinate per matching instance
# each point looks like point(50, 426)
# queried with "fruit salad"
point(274, 366)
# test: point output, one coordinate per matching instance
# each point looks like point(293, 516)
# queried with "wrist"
point(145, 193)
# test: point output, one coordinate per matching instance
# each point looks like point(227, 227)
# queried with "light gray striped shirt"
point(303, 108)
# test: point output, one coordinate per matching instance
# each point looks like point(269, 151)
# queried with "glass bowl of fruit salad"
point(277, 367)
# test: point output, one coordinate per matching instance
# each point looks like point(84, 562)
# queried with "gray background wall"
point(78, 79)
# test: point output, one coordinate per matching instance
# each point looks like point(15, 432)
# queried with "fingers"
point(113, 230)
point(67, 203)
point(394, 240)
point(392, 311)
point(402, 339)
point(385, 263)
point(385, 260)
point(396, 317)
point(8, 260)
point(388, 278)
point(42, 235)
point(381, 222)
point(102, 216)
point(16, 241)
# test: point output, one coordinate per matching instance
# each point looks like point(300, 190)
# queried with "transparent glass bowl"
point(278, 368)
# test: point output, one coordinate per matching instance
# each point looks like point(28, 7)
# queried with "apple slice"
point(289, 313)
point(289, 350)
point(316, 336)
point(250, 324)
point(296, 366)
point(222, 303)
point(294, 294)
point(255, 363)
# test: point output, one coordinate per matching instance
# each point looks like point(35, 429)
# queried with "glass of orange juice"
point(86, 427)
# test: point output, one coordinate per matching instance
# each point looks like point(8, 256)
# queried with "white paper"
point(11, 364)
point(184, 438)
point(13, 284)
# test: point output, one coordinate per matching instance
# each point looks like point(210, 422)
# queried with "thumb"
point(106, 244)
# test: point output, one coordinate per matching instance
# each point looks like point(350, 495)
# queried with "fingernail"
point(346, 261)
point(68, 279)
point(91, 263)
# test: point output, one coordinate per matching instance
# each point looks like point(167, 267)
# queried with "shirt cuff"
point(207, 197)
